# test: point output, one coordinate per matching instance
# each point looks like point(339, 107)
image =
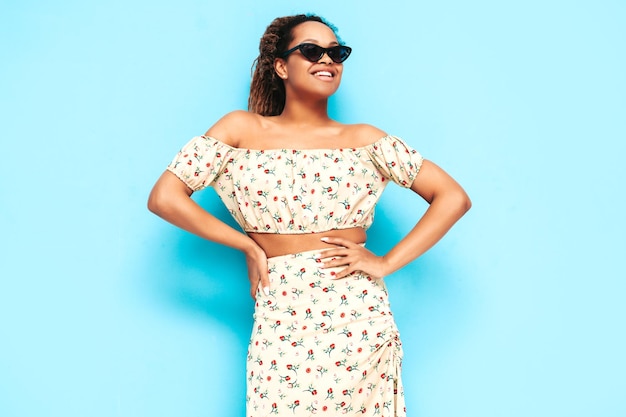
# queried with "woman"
point(303, 187)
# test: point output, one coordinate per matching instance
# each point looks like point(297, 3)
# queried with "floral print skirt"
point(323, 346)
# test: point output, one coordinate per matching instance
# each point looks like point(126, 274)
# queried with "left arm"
point(448, 203)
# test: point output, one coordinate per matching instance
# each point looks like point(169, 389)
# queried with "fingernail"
point(324, 239)
point(266, 291)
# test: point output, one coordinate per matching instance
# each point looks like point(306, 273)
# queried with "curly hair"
point(267, 91)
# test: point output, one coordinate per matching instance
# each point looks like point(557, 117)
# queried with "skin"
point(304, 124)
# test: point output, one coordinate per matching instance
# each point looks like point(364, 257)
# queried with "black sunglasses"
point(314, 52)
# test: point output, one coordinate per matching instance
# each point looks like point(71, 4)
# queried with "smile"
point(323, 74)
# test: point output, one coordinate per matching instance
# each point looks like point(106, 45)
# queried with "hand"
point(256, 261)
point(355, 257)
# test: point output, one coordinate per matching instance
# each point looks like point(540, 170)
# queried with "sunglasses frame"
point(327, 51)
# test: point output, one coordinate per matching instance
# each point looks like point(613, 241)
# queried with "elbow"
point(466, 203)
point(460, 201)
point(156, 202)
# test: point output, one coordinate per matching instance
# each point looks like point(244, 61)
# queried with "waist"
point(278, 244)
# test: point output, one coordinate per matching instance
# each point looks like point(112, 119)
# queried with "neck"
point(306, 113)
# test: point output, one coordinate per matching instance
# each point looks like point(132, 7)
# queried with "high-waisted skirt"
point(323, 346)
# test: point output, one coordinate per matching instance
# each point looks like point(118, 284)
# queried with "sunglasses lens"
point(339, 53)
point(312, 52)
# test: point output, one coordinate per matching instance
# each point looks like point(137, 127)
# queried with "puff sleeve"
point(201, 161)
point(396, 160)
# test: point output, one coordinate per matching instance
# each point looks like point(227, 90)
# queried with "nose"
point(325, 59)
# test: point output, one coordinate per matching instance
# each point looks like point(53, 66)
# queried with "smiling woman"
point(303, 188)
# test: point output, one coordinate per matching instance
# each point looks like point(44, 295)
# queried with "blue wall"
point(105, 310)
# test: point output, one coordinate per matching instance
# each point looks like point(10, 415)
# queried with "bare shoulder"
point(363, 134)
point(233, 126)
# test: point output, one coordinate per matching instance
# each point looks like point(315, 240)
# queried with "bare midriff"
point(279, 244)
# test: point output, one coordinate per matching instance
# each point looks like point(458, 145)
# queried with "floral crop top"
point(291, 191)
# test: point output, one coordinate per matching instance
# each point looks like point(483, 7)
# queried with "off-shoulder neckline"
point(356, 148)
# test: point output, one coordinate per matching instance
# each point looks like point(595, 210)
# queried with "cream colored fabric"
point(291, 191)
point(322, 346)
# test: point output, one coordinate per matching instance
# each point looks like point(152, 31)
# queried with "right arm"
point(171, 200)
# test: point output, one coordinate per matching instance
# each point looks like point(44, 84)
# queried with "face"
point(320, 78)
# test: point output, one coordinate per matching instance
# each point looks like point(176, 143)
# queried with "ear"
point(280, 66)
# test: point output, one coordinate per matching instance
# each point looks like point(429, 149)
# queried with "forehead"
point(313, 31)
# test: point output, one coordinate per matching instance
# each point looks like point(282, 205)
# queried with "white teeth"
point(324, 73)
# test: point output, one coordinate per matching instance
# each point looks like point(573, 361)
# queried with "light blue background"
point(105, 310)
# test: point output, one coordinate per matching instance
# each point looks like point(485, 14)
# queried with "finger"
point(344, 272)
point(337, 261)
point(254, 285)
point(339, 241)
point(264, 282)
